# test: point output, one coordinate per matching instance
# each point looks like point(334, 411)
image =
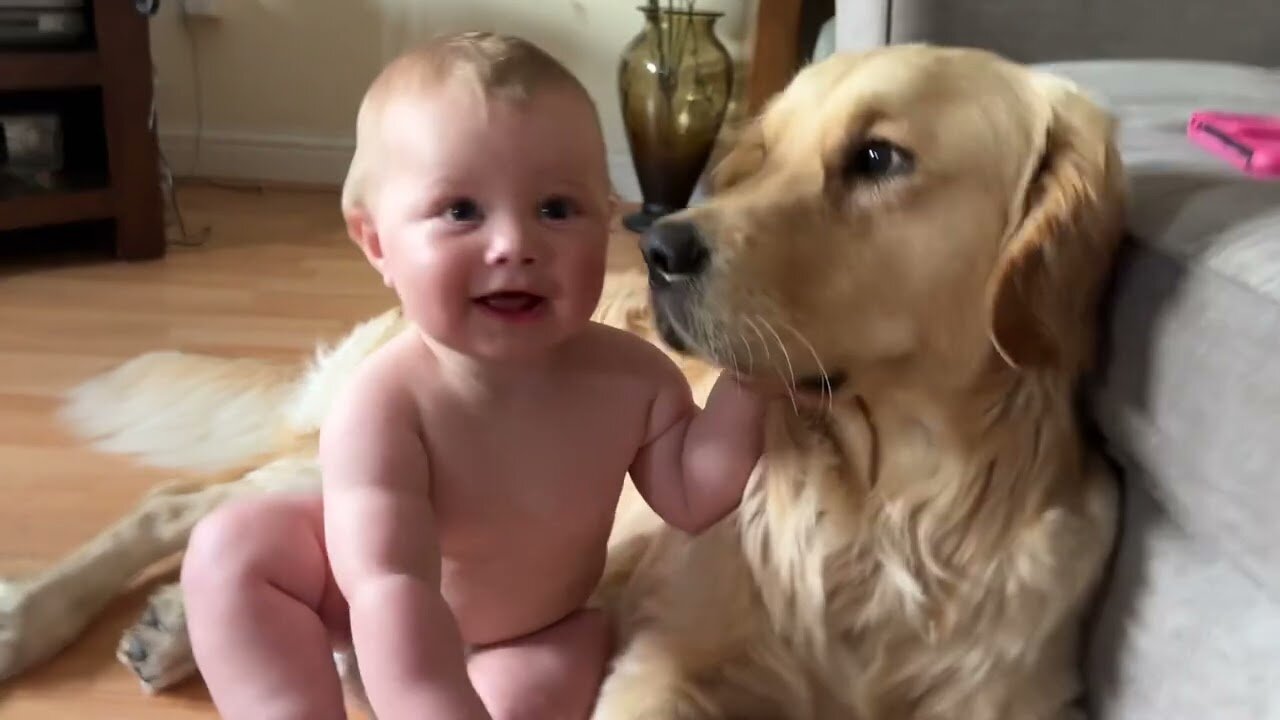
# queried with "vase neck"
point(703, 21)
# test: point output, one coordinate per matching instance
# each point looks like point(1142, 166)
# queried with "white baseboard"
point(301, 159)
point(270, 158)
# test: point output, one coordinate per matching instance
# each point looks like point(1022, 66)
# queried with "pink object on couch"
point(1251, 143)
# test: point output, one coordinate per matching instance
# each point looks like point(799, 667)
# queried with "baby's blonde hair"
point(494, 65)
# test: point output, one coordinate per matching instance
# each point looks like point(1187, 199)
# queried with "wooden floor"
point(275, 276)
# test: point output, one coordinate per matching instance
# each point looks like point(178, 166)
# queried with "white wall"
point(279, 80)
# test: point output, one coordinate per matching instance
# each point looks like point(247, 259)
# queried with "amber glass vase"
point(674, 79)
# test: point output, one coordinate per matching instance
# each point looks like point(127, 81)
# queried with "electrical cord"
point(169, 186)
point(197, 89)
point(186, 238)
point(170, 190)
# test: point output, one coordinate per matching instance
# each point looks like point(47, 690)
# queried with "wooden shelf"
point(45, 70)
point(53, 207)
point(108, 141)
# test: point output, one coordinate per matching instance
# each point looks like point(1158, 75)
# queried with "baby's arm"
point(382, 547)
point(695, 464)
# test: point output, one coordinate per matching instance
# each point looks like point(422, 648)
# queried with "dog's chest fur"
point(851, 584)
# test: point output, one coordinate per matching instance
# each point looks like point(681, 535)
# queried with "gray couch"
point(1188, 398)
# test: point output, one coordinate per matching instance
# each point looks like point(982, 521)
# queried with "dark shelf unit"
point(101, 90)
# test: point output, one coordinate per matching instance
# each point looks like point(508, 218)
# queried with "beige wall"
point(279, 93)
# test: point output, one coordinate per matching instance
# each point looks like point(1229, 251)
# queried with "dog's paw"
point(157, 649)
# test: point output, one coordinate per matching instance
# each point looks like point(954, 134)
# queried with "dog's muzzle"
point(676, 255)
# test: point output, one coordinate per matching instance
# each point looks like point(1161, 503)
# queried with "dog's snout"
point(675, 251)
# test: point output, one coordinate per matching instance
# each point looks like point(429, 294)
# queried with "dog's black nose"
point(674, 251)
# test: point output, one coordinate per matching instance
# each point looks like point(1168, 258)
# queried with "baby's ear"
point(364, 233)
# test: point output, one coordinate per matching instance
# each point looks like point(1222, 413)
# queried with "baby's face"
point(494, 220)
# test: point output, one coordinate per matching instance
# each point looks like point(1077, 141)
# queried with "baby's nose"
point(515, 247)
point(510, 258)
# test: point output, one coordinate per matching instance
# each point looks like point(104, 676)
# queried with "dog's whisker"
point(728, 342)
point(732, 356)
point(717, 343)
point(763, 343)
point(786, 356)
point(827, 390)
point(726, 346)
point(706, 331)
point(751, 360)
point(791, 386)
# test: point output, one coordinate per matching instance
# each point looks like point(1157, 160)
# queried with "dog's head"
point(920, 210)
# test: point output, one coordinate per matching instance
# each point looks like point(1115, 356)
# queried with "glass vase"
point(674, 80)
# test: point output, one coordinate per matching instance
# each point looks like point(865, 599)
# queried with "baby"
point(472, 468)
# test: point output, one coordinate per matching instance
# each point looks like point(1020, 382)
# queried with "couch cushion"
point(1191, 385)
point(1236, 30)
point(1182, 634)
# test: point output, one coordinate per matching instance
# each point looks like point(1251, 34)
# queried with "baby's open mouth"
point(512, 304)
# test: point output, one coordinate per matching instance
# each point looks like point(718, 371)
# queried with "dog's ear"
point(1055, 259)
point(743, 159)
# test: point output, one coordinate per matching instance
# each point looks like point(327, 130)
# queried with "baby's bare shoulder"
point(610, 346)
point(613, 352)
point(371, 440)
point(380, 390)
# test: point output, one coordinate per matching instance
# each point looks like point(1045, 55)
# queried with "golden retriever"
point(914, 240)
point(909, 246)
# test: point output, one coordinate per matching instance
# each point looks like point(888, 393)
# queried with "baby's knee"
point(513, 706)
point(240, 540)
point(570, 704)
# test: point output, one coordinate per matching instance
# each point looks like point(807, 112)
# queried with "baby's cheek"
point(439, 291)
point(586, 269)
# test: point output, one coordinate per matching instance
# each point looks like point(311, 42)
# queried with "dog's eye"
point(876, 159)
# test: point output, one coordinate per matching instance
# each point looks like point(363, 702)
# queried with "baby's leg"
point(258, 593)
point(553, 674)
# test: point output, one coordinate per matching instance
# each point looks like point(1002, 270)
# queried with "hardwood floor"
point(275, 276)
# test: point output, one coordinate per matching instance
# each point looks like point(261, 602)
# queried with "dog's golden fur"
point(921, 542)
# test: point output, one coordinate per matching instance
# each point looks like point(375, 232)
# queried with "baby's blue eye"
point(556, 209)
point(463, 211)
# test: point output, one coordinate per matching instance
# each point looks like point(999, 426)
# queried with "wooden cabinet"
point(102, 93)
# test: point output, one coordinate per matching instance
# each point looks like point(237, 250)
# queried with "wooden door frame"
point(780, 38)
